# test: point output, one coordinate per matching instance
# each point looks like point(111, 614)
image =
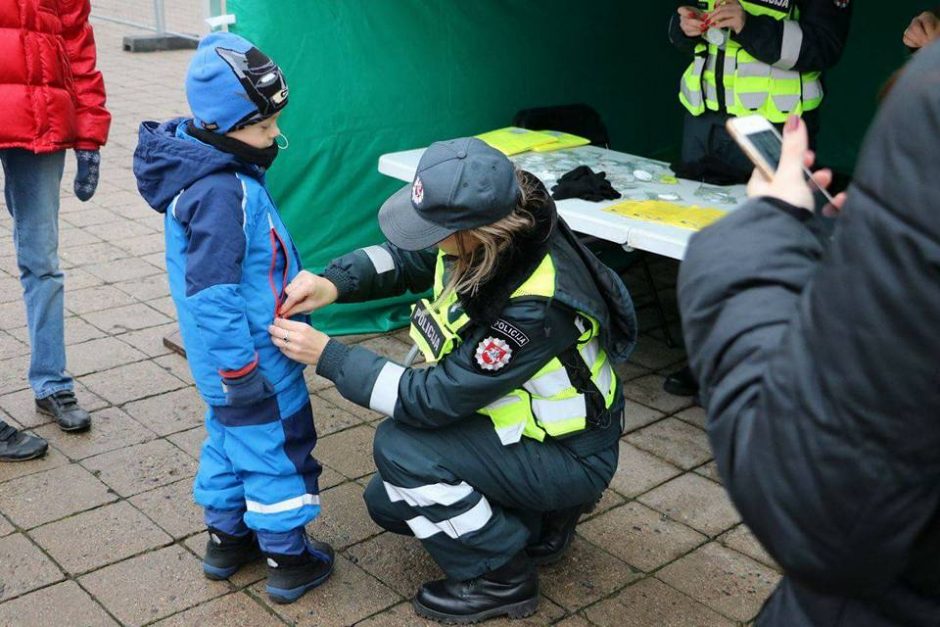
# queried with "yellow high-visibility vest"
point(548, 403)
point(751, 86)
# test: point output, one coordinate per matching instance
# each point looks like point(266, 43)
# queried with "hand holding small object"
point(789, 182)
point(306, 293)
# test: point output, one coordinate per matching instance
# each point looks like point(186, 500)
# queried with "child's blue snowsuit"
point(229, 257)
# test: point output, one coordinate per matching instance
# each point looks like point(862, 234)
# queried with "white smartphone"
point(759, 140)
point(762, 144)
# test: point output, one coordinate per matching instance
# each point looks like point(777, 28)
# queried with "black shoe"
point(681, 383)
point(557, 532)
point(64, 407)
point(511, 590)
point(225, 553)
point(16, 446)
point(291, 576)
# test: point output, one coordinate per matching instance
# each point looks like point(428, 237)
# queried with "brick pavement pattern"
point(103, 530)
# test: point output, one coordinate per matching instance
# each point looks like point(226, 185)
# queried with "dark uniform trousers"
point(706, 135)
point(473, 502)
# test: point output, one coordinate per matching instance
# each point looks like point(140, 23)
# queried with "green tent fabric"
point(374, 76)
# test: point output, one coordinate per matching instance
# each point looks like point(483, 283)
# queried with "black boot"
point(225, 553)
point(511, 590)
point(681, 383)
point(291, 576)
point(557, 532)
point(64, 407)
point(16, 446)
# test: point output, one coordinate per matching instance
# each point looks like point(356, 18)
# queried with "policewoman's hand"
point(691, 21)
point(306, 293)
point(298, 340)
point(729, 14)
point(789, 183)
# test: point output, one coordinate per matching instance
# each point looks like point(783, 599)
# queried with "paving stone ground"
point(103, 531)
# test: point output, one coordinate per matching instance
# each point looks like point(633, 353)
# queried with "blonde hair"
point(479, 248)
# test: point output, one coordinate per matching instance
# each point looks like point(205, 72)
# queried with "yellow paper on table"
point(563, 140)
point(685, 217)
point(512, 140)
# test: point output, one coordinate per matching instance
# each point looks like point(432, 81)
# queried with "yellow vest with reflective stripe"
point(546, 404)
point(751, 86)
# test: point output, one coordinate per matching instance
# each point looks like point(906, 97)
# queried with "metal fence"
point(182, 18)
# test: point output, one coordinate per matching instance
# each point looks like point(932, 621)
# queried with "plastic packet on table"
point(715, 194)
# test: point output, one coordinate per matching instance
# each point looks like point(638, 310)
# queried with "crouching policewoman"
point(491, 453)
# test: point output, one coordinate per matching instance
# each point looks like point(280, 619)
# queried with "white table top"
point(626, 173)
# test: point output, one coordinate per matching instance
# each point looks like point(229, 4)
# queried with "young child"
point(229, 257)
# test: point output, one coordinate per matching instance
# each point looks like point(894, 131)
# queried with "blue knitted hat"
point(231, 84)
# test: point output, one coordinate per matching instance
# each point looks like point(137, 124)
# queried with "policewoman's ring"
point(286, 337)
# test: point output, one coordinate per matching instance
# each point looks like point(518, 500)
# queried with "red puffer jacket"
point(52, 96)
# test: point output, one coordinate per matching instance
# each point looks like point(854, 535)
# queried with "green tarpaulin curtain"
point(368, 77)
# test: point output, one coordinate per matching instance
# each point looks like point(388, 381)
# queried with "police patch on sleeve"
point(493, 354)
point(510, 332)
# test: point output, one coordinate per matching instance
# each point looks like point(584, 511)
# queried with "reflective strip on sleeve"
point(431, 494)
point(282, 506)
point(385, 391)
point(511, 434)
point(550, 384)
point(472, 520)
point(381, 259)
point(589, 352)
point(509, 399)
point(605, 378)
point(548, 411)
point(791, 46)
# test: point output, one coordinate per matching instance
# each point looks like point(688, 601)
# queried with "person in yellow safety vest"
point(491, 453)
point(763, 57)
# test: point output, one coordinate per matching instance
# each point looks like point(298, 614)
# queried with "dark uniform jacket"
point(536, 329)
point(820, 372)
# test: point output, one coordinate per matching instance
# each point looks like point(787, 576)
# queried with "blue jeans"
point(31, 188)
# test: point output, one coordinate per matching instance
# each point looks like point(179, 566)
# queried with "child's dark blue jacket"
point(228, 256)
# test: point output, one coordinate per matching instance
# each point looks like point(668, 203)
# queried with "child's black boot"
point(225, 553)
point(290, 576)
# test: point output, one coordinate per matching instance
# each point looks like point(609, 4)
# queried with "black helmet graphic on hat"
point(261, 78)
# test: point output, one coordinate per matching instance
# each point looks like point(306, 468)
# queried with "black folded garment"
point(584, 183)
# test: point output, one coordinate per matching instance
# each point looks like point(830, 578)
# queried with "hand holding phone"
point(782, 172)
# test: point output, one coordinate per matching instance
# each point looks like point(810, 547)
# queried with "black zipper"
point(720, 79)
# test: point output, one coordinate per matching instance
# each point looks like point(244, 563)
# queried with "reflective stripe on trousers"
point(445, 494)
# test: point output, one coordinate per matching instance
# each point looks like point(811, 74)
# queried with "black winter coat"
point(820, 372)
